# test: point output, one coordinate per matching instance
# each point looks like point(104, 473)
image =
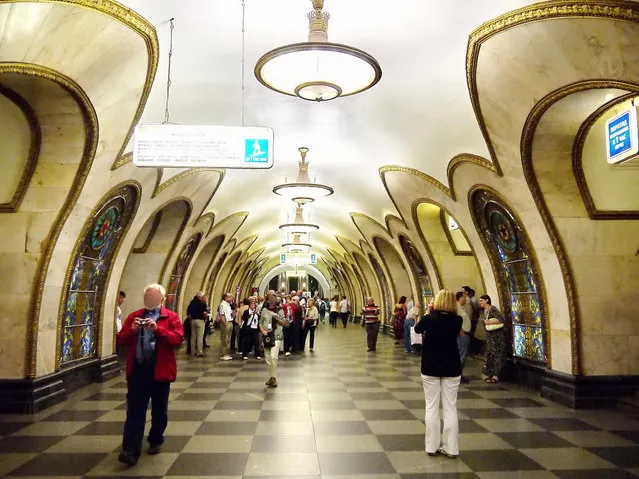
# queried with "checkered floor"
point(338, 413)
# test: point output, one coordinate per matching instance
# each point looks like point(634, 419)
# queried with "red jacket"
point(169, 334)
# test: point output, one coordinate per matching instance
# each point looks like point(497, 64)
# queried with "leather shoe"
point(127, 457)
point(155, 449)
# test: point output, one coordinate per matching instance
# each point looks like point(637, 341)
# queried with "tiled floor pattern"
point(338, 413)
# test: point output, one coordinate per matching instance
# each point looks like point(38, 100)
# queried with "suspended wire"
point(168, 79)
point(243, 56)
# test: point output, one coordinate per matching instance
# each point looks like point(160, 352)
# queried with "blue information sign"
point(618, 135)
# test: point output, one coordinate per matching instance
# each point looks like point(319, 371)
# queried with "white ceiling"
point(419, 115)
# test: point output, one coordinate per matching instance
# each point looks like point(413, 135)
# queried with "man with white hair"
point(197, 312)
point(152, 334)
point(225, 317)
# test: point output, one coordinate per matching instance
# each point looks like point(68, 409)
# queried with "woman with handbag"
point(271, 322)
point(493, 320)
point(310, 323)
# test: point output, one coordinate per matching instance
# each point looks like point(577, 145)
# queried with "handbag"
point(414, 337)
point(493, 327)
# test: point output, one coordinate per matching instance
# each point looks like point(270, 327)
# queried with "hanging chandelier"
point(318, 70)
point(296, 246)
point(303, 190)
point(299, 225)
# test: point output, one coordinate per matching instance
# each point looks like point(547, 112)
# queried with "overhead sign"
point(203, 146)
point(622, 136)
point(298, 259)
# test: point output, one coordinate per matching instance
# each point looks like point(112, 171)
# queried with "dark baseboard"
point(576, 392)
point(29, 396)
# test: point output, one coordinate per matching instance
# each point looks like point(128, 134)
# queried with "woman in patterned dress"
point(399, 317)
point(496, 344)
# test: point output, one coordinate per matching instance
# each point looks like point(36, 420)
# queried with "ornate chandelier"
point(318, 70)
point(299, 225)
point(303, 190)
point(296, 246)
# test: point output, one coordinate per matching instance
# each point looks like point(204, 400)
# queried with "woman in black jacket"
point(441, 372)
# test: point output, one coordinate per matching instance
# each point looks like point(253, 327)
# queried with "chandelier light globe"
point(303, 190)
point(318, 70)
point(296, 246)
point(299, 226)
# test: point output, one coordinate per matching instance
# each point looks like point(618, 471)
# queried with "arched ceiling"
point(419, 115)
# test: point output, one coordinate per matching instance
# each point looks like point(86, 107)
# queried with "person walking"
point(333, 312)
point(250, 324)
point(225, 317)
point(344, 310)
point(463, 340)
point(496, 346)
point(152, 334)
point(370, 316)
point(271, 322)
point(399, 316)
point(441, 373)
point(310, 323)
point(411, 319)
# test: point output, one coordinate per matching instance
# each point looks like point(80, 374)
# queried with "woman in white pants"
point(441, 372)
point(272, 320)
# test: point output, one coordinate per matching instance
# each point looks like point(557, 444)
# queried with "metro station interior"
point(457, 143)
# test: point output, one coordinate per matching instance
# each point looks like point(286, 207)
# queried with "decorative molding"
point(154, 228)
point(116, 191)
point(178, 234)
point(463, 159)
point(222, 222)
point(496, 264)
point(427, 178)
point(34, 149)
point(210, 215)
point(218, 247)
point(123, 160)
point(580, 177)
point(184, 174)
point(90, 121)
point(449, 235)
point(528, 133)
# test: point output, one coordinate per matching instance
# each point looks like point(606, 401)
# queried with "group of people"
point(274, 322)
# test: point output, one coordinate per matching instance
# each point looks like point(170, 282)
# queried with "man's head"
point(227, 297)
point(154, 295)
point(461, 297)
point(470, 292)
point(121, 298)
point(343, 297)
point(369, 301)
point(200, 295)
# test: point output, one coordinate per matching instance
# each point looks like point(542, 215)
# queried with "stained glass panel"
point(91, 263)
point(519, 346)
point(538, 347)
point(179, 270)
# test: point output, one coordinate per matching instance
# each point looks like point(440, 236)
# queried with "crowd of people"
point(265, 326)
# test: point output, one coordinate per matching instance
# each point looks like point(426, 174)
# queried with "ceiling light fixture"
point(303, 190)
point(296, 246)
point(318, 70)
point(299, 225)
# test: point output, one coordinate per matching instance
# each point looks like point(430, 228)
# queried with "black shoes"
point(127, 457)
point(464, 380)
point(155, 449)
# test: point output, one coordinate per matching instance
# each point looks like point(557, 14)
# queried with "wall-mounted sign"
point(294, 259)
point(203, 146)
point(283, 258)
point(622, 138)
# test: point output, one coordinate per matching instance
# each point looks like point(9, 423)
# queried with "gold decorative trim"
point(154, 228)
point(449, 235)
point(34, 149)
point(391, 280)
point(427, 178)
point(225, 220)
point(88, 222)
point(466, 158)
point(191, 171)
point(527, 138)
point(415, 217)
point(123, 160)
point(218, 248)
point(390, 218)
point(609, 9)
point(178, 234)
point(90, 121)
point(206, 216)
point(580, 176)
point(494, 262)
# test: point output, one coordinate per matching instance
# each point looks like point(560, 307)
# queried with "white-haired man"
point(152, 334)
point(197, 311)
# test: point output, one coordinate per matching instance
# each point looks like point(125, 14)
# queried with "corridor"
point(338, 412)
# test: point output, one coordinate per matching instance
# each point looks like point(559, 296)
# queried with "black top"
point(440, 355)
point(196, 308)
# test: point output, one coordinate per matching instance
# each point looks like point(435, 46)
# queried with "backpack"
point(322, 307)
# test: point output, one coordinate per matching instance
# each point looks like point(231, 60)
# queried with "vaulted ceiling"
point(418, 116)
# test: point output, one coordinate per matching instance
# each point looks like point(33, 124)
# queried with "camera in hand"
point(144, 322)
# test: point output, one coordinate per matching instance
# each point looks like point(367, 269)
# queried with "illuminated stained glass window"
point(101, 237)
point(177, 276)
point(517, 270)
point(418, 268)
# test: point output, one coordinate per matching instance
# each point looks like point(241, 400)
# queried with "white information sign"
point(203, 146)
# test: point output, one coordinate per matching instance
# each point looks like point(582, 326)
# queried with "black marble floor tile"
point(467, 425)
point(625, 457)
point(517, 402)
point(341, 428)
point(75, 415)
point(227, 464)
point(594, 474)
point(57, 465)
point(194, 415)
point(285, 416)
point(227, 428)
point(239, 405)
point(406, 442)
point(490, 413)
point(564, 424)
point(630, 435)
point(498, 460)
point(282, 444)
point(25, 444)
point(387, 415)
point(202, 396)
point(355, 463)
point(534, 440)
point(10, 427)
point(101, 429)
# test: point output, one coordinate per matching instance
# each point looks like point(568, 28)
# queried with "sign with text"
point(622, 136)
point(298, 259)
point(203, 146)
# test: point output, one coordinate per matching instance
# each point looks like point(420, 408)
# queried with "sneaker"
point(273, 383)
point(432, 454)
point(155, 449)
point(127, 457)
point(444, 453)
point(245, 358)
point(270, 381)
point(287, 353)
point(259, 358)
point(311, 350)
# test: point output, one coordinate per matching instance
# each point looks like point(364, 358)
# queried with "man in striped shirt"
point(370, 316)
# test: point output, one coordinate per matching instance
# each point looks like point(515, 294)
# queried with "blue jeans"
point(408, 325)
point(463, 343)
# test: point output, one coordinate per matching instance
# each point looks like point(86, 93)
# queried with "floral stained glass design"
point(87, 279)
point(386, 301)
point(182, 264)
point(418, 269)
point(518, 278)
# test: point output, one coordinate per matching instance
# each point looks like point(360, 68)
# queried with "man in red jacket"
point(152, 334)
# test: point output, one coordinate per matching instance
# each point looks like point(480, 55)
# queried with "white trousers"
point(446, 388)
point(272, 357)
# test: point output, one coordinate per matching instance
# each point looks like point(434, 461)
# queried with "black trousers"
point(308, 332)
point(251, 341)
point(288, 339)
point(332, 318)
point(372, 330)
point(141, 388)
point(344, 318)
